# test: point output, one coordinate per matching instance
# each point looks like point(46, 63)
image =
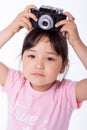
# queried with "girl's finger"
point(62, 22)
point(29, 7)
point(70, 17)
point(27, 12)
point(27, 23)
point(29, 15)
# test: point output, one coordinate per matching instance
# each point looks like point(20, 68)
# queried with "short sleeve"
point(13, 81)
point(70, 93)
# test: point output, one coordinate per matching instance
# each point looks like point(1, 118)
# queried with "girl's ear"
point(64, 66)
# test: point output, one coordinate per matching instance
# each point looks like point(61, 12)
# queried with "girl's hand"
point(69, 28)
point(23, 20)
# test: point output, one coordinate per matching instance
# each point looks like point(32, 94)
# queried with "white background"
point(9, 54)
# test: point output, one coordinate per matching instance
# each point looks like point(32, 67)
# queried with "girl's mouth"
point(38, 74)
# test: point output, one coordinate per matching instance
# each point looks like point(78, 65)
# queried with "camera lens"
point(45, 22)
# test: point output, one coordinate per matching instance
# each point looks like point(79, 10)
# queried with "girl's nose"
point(39, 64)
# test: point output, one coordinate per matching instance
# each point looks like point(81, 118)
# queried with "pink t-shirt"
point(29, 109)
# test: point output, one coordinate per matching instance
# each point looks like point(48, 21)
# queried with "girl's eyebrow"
point(32, 50)
point(50, 52)
point(47, 52)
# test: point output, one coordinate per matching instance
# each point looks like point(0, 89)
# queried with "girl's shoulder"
point(15, 79)
point(65, 83)
point(15, 74)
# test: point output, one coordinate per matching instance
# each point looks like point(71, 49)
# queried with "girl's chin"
point(41, 87)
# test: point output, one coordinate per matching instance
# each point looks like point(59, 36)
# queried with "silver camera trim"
point(58, 10)
point(48, 19)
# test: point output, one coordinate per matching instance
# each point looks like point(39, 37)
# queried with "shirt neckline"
point(38, 93)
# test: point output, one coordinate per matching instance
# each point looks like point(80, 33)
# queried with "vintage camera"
point(47, 17)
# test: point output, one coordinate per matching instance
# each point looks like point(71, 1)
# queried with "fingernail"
point(36, 19)
point(55, 25)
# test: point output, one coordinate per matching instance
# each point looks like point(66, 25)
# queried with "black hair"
point(57, 41)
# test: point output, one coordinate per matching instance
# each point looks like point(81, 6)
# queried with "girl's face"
point(41, 65)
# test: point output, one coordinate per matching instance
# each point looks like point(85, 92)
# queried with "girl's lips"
point(38, 74)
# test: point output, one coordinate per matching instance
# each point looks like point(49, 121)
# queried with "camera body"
point(47, 17)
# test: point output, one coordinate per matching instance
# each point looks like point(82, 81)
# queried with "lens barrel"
point(45, 22)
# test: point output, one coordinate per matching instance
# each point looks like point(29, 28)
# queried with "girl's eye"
point(50, 59)
point(31, 56)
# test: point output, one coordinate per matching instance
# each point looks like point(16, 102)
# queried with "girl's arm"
point(69, 30)
point(81, 90)
point(5, 35)
point(81, 50)
point(21, 21)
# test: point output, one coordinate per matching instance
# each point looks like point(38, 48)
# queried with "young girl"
point(36, 99)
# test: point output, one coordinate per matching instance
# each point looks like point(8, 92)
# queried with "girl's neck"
point(42, 88)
